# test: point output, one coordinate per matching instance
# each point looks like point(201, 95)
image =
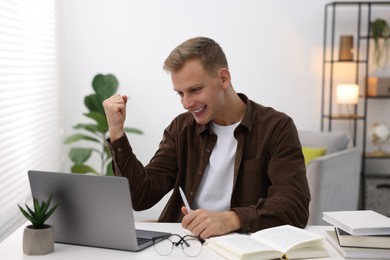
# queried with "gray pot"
point(38, 241)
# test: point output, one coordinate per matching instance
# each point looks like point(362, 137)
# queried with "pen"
point(183, 197)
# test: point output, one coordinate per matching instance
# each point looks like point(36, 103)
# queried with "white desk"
point(11, 247)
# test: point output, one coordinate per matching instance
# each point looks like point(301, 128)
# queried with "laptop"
point(93, 210)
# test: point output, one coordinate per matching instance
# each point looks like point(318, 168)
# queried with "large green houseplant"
point(97, 132)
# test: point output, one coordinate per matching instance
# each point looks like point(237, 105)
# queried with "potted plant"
point(38, 238)
point(380, 29)
point(96, 133)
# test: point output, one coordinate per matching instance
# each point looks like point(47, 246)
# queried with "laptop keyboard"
point(142, 240)
point(145, 236)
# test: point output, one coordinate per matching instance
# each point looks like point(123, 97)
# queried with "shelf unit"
point(352, 18)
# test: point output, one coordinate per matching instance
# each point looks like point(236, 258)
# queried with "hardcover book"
point(357, 252)
point(359, 222)
point(377, 241)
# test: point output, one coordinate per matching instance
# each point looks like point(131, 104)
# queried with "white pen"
point(183, 197)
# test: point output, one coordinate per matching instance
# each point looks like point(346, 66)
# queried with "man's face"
point(201, 93)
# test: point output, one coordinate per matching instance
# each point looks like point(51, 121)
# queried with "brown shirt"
point(269, 188)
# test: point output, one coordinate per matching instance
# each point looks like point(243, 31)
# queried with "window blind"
point(30, 114)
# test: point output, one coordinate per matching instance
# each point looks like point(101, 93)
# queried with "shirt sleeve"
point(147, 187)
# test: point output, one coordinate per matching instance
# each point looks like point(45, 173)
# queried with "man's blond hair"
point(204, 49)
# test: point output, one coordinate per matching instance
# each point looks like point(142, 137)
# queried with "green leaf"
point(93, 103)
point(36, 205)
point(41, 212)
point(51, 211)
point(83, 169)
point(80, 155)
point(107, 153)
point(100, 119)
point(133, 130)
point(89, 127)
point(78, 137)
point(30, 211)
point(109, 171)
point(26, 214)
point(105, 86)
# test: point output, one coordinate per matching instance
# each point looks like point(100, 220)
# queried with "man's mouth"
point(199, 110)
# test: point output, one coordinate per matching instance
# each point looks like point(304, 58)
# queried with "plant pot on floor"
point(38, 241)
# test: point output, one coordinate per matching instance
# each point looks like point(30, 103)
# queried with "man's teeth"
point(199, 109)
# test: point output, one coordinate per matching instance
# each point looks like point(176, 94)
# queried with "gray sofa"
point(334, 178)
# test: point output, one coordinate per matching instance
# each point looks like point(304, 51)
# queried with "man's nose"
point(187, 102)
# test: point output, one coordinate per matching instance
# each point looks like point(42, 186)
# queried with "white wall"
point(274, 49)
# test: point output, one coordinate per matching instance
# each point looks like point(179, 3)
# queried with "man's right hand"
point(115, 109)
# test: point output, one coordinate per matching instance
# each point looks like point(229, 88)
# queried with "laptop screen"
point(93, 210)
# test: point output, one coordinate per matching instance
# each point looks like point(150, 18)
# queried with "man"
point(240, 163)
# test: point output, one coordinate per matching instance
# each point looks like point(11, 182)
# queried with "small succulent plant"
point(40, 214)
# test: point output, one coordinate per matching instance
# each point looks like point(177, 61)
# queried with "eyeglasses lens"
point(192, 246)
point(164, 246)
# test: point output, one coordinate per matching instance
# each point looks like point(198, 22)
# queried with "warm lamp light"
point(348, 94)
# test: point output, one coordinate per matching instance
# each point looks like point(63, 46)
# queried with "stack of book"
point(359, 233)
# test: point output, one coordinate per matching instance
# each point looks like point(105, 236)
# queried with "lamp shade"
point(347, 93)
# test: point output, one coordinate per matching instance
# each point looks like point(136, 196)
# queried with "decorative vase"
point(38, 241)
point(346, 48)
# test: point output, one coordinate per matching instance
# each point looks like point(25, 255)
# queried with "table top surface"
point(11, 247)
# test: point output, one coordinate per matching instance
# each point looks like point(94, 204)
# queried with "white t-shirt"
point(216, 187)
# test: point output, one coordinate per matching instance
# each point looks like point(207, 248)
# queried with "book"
point(374, 241)
point(277, 242)
point(359, 222)
point(357, 252)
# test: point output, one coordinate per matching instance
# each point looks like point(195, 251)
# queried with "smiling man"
point(239, 163)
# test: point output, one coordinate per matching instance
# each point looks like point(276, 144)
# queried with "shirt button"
point(200, 173)
point(207, 150)
point(119, 150)
point(191, 193)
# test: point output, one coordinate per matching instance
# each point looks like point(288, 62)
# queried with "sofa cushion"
point(310, 153)
point(331, 141)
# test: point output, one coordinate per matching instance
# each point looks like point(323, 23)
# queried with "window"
point(30, 108)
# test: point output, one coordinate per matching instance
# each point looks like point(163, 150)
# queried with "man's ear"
point(224, 76)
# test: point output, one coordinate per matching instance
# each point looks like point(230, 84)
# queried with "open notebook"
point(93, 210)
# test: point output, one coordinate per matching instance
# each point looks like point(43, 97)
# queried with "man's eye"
point(196, 90)
point(180, 94)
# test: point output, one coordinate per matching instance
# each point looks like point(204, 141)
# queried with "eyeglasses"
point(190, 245)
